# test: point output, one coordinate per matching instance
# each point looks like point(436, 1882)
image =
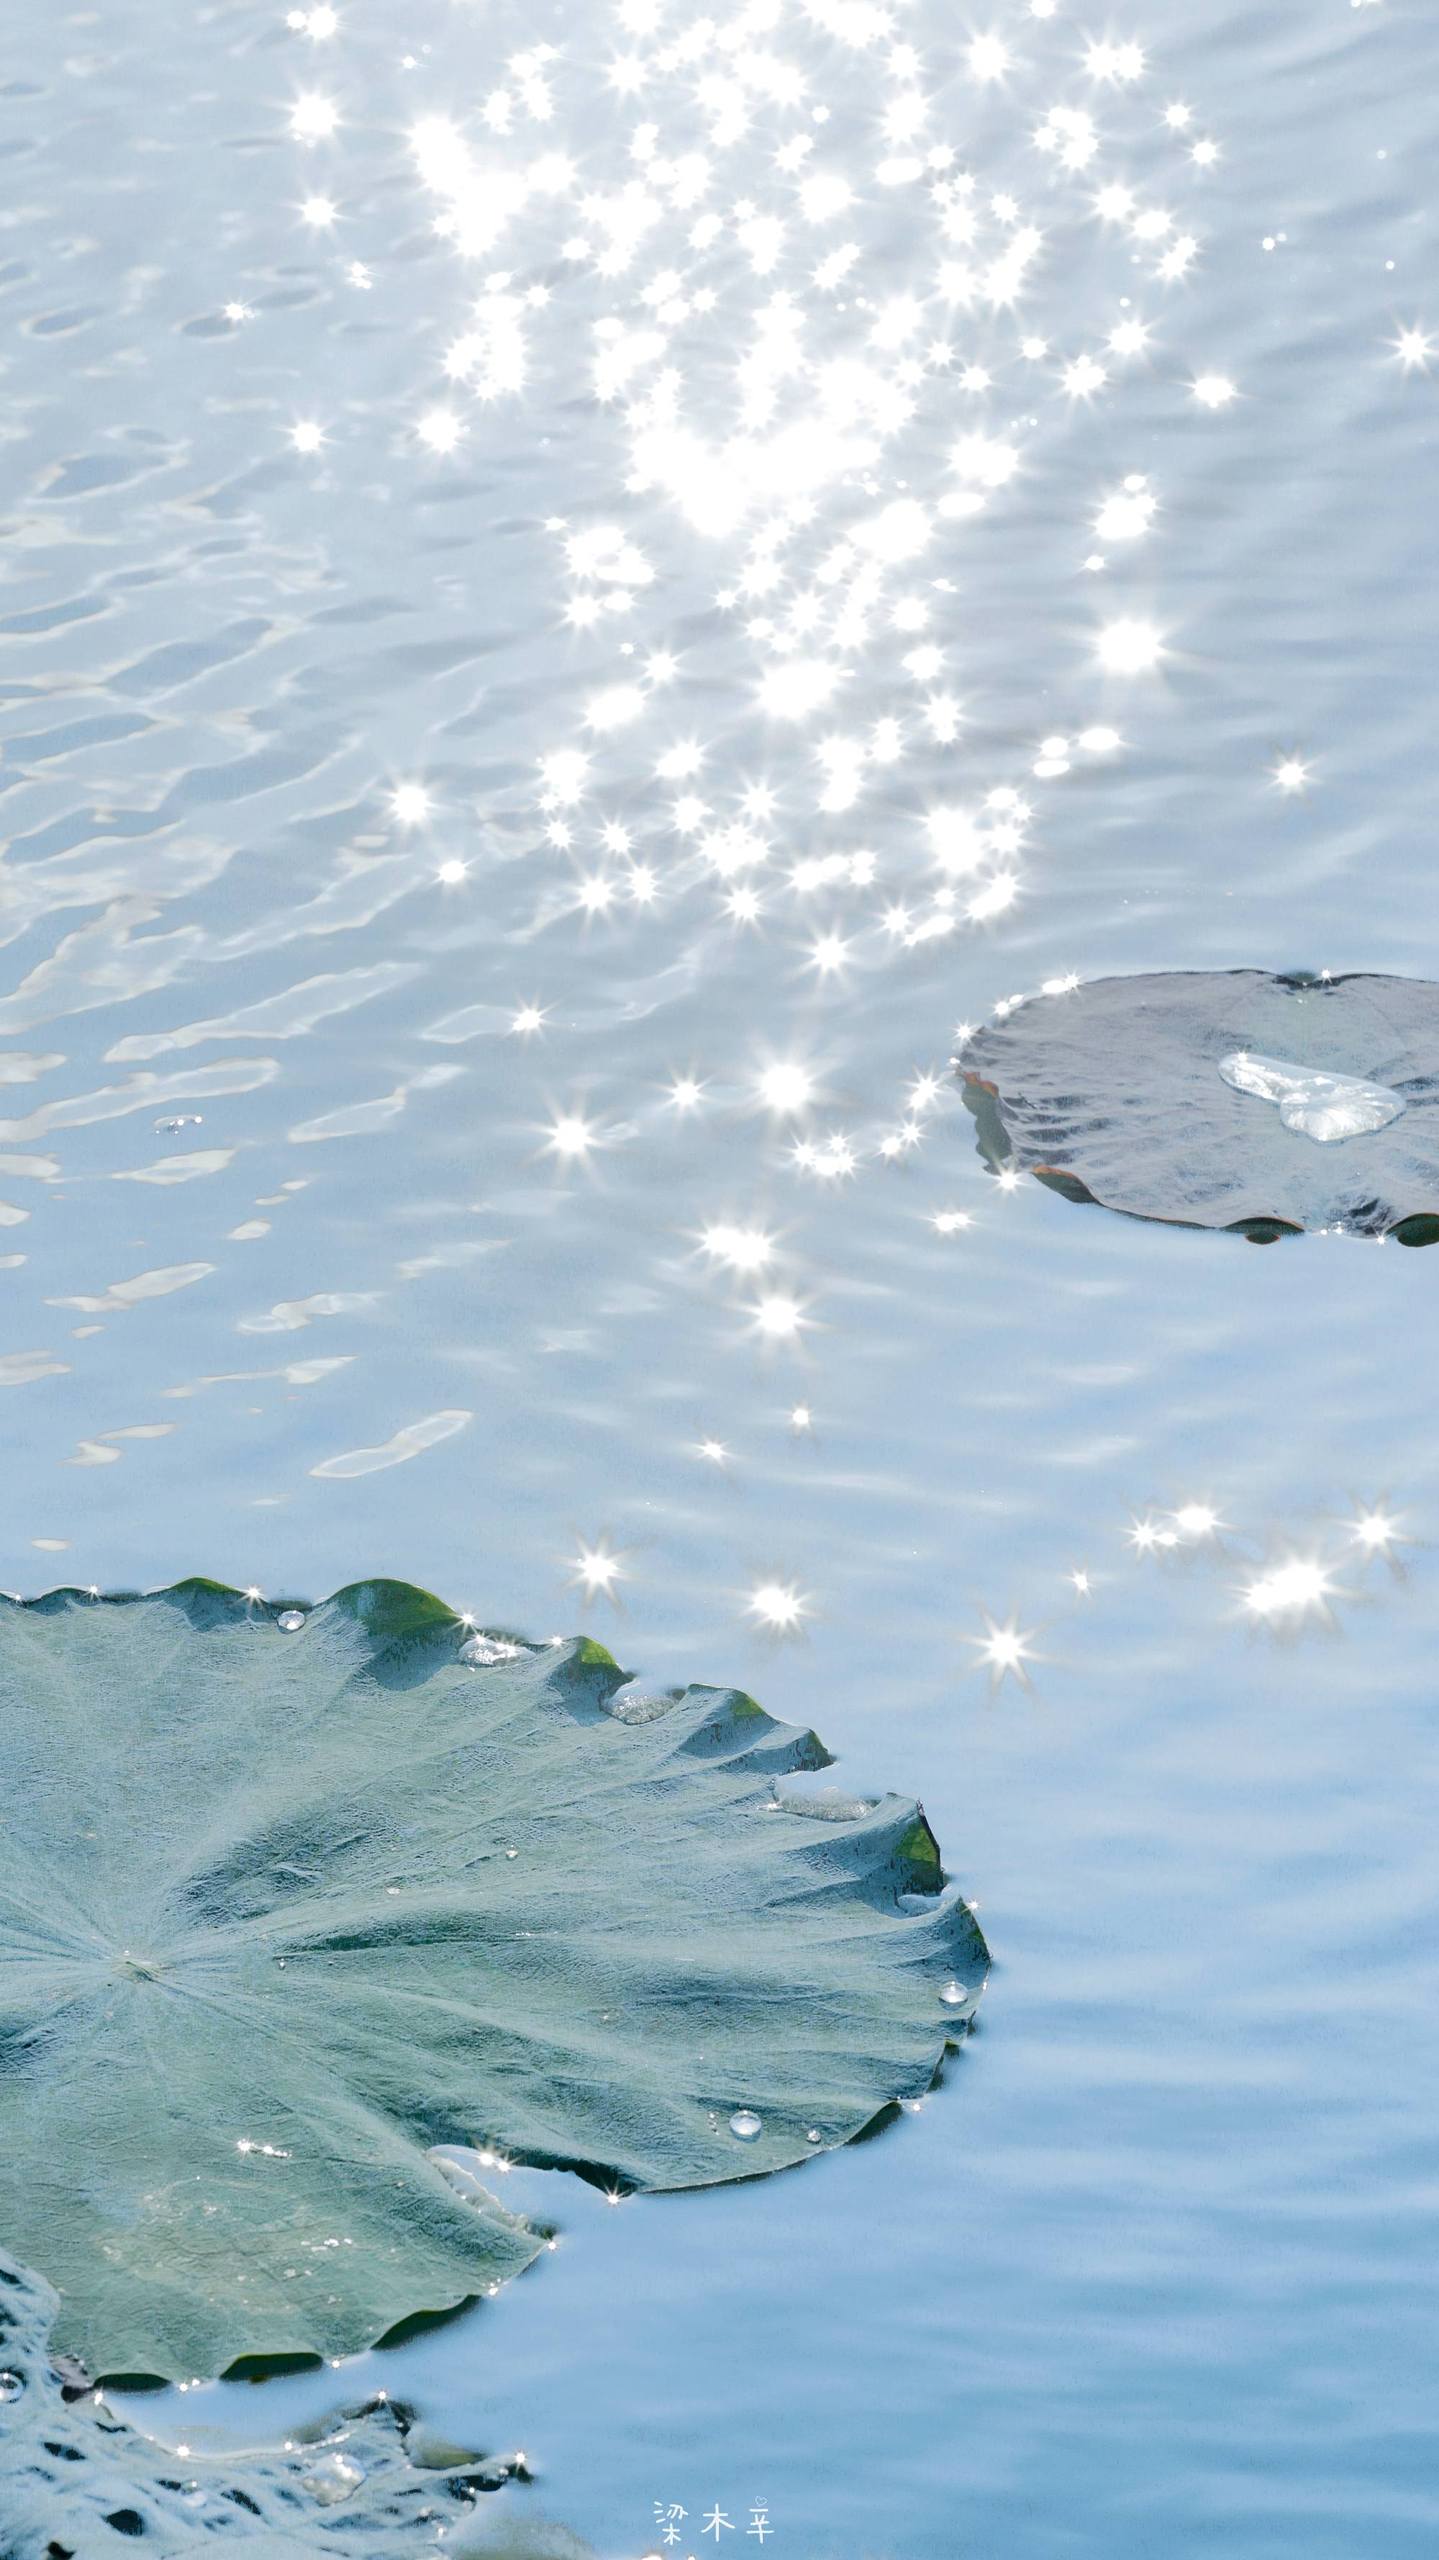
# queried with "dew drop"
point(814, 2134)
point(332, 2479)
point(745, 2125)
point(1311, 1100)
point(11, 2385)
point(956, 1995)
point(482, 1652)
point(182, 1120)
point(290, 1619)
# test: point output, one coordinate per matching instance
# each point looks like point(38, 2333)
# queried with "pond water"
point(580, 590)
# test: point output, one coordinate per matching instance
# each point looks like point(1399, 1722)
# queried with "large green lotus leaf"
point(282, 1908)
point(1223, 1098)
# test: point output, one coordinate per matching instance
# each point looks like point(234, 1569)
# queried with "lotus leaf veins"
point(292, 1897)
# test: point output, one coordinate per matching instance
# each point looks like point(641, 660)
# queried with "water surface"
point(539, 691)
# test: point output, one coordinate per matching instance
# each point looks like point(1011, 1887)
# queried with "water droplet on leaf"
point(1314, 1100)
point(482, 1652)
point(332, 2479)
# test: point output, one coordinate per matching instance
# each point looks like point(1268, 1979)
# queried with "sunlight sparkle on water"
point(988, 57)
point(1414, 349)
point(1148, 1536)
point(786, 1087)
point(744, 906)
point(1127, 513)
point(795, 688)
point(777, 1605)
point(1104, 60)
point(1129, 647)
point(313, 118)
point(816, 424)
point(738, 1248)
point(1297, 1589)
point(596, 1570)
point(440, 429)
point(571, 1137)
point(778, 1318)
point(616, 707)
point(1003, 1651)
point(1376, 1531)
point(563, 776)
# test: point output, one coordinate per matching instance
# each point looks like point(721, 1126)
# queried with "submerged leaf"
point(1223, 1098)
point(78, 2480)
point(287, 1905)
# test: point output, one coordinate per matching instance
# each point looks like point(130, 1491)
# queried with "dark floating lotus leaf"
point(290, 1899)
point(1223, 1098)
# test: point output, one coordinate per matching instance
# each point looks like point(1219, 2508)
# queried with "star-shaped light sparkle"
point(778, 1606)
point(1376, 1531)
point(1414, 349)
point(596, 1570)
point(1003, 1650)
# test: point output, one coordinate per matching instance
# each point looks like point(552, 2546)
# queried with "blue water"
point(427, 1293)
